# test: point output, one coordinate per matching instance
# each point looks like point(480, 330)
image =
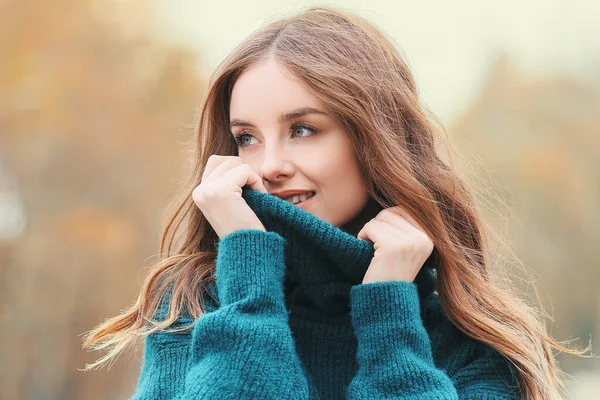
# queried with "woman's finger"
point(220, 169)
point(241, 176)
point(379, 232)
point(395, 219)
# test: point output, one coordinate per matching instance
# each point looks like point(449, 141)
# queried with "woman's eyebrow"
point(297, 113)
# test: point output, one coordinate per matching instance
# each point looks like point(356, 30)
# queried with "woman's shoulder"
point(208, 299)
point(166, 338)
point(210, 296)
point(445, 337)
point(456, 352)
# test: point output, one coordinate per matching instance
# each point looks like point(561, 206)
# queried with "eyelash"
point(240, 136)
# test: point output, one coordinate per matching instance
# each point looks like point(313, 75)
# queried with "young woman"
point(321, 248)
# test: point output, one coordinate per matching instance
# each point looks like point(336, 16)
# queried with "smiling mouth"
point(297, 200)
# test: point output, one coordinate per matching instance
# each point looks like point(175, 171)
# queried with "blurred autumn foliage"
point(93, 114)
point(540, 137)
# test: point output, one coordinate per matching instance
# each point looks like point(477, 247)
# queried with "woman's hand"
point(219, 195)
point(401, 246)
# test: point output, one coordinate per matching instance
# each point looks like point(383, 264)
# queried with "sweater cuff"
point(250, 262)
point(384, 308)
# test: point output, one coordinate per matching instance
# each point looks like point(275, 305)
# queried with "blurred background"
point(98, 97)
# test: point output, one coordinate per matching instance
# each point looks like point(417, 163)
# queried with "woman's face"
point(309, 151)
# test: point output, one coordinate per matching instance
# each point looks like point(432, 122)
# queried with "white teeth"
point(298, 199)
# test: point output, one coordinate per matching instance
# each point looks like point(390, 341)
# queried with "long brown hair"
point(356, 70)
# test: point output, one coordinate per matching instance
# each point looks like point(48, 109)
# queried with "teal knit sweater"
point(288, 318)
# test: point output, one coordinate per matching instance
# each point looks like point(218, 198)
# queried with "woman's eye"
point(296, 128)
point(240, 138)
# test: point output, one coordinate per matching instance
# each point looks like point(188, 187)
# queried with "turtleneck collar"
point(371, 209)
point(322, 261)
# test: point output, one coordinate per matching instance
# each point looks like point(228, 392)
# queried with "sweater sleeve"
point(245, 348)
point(394, 354)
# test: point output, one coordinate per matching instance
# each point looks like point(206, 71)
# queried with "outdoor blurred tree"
point(94, 107)
point(539, 140)
point(93, 112)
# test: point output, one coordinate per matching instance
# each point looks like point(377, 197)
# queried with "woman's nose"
point(275, 165)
